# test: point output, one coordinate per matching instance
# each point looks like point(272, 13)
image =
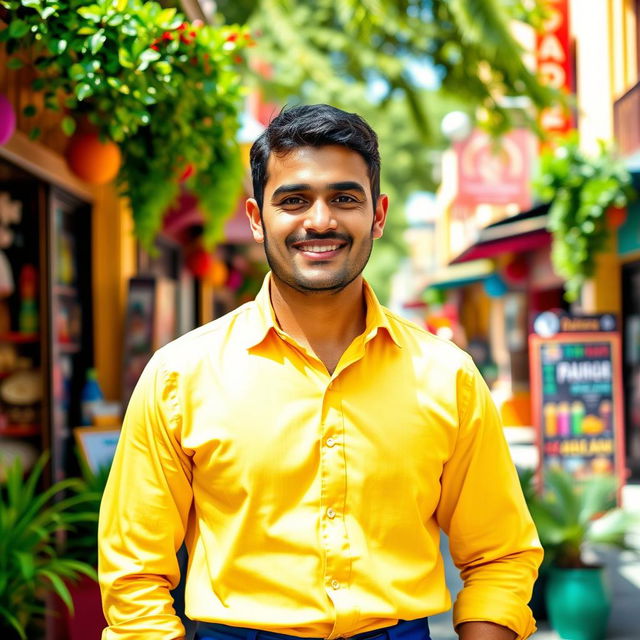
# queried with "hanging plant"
point(166, 91)
point(581, 189)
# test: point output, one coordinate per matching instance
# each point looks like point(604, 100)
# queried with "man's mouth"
point(315, 249)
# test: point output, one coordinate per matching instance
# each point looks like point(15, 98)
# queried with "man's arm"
point(484, 631)
point(491, 535)
point(143, 515)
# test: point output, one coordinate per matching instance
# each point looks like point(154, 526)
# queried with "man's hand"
point(484, 631)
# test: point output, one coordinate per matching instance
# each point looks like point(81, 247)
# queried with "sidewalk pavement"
point(623, 567)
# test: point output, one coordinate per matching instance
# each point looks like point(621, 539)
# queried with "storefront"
point(629, 252)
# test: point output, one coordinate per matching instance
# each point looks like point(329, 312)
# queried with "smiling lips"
point(315, 249)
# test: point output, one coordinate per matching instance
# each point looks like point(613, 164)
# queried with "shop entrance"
point(631, 363)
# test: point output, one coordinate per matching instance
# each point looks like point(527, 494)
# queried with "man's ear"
point(380, 215)
point(255, 219)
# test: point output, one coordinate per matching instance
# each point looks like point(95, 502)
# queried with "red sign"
point(495, 172)
point(553, 55)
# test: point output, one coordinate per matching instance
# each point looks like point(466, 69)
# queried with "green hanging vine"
point(168, 92)
point(580, 188)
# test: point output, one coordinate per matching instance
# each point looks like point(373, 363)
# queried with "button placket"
point(333, 497)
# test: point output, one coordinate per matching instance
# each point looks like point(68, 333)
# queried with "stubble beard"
point(294, 279)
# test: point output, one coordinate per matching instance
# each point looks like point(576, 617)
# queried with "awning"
point(525, 231)
point(459, 275)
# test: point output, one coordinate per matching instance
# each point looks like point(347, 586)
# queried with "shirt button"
point(331, 513)
point(335, 584)
point(331, 442)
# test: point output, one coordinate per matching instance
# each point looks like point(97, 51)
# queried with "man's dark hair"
point(315, 125)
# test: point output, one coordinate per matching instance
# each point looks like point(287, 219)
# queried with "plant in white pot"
point(571, 515)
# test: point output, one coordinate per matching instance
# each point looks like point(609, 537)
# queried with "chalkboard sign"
point(577, 393)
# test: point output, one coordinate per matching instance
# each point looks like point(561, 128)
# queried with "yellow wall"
point(622, 35)
point(113, 264)
point(593, 77)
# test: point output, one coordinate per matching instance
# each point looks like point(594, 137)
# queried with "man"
point(308, 446)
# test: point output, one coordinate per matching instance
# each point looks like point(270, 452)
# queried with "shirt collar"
point(265, 320)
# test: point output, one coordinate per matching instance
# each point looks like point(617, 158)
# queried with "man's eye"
point(345, 199)
point(292, 200)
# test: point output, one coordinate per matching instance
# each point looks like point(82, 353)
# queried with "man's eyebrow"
point(334, 186)
point(347, 186)
point(290, 188)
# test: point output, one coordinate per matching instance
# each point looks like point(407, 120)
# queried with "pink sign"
point(496, 172)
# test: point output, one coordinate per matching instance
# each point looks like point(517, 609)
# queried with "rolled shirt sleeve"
point(144, 514)
point(493, 540)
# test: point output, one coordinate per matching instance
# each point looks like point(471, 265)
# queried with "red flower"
point(182, 26)
point(232, 37)
point(238, 59)
point(167, 35)
point(155, 47)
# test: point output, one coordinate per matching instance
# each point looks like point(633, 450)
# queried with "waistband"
point(403, 630)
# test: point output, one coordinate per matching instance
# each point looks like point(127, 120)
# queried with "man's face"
point(317, 221)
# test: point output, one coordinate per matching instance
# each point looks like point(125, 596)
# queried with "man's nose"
point(320, 217)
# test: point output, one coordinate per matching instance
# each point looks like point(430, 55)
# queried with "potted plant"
point(571, 516)
point(582, 189)
point(31, 566)
point(137, 74)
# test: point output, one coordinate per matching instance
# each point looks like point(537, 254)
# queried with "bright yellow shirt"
point(311, 503)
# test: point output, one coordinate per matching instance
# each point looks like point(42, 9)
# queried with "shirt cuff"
point(482, 603)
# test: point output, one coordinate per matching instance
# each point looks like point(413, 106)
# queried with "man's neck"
point(325, 322)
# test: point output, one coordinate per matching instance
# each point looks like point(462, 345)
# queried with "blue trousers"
point(404, 630)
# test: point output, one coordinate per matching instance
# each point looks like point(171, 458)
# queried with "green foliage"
point(30, 563)
point(570, 514)
point(166, 91)
point(580, 188)
point(332, 44)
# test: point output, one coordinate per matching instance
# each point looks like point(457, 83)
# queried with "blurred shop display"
point(150, 323)
point(45, 316)
point(576, 382)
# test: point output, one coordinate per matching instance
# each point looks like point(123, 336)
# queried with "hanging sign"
point(577, 393)
point(553, 55)
point(495, 172)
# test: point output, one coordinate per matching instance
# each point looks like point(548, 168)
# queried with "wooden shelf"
point(16, 337)
point(20, 430)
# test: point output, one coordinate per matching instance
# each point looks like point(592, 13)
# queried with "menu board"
point(577, 393)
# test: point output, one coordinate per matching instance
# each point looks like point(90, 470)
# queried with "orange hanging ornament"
point(93, 160)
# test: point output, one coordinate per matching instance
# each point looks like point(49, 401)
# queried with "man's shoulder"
point(419, 341)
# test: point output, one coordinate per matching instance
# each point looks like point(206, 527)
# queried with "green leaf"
point(165, 16)
point(76, 72)
point(15, 63)
point(35, 133)
point(83, 90)
point(29, 111)
point(68, 125)
point(97, 40)
point(92, 12)
point(47, 12)
point(163, 67)
point(60, 46)
point(18, 28)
